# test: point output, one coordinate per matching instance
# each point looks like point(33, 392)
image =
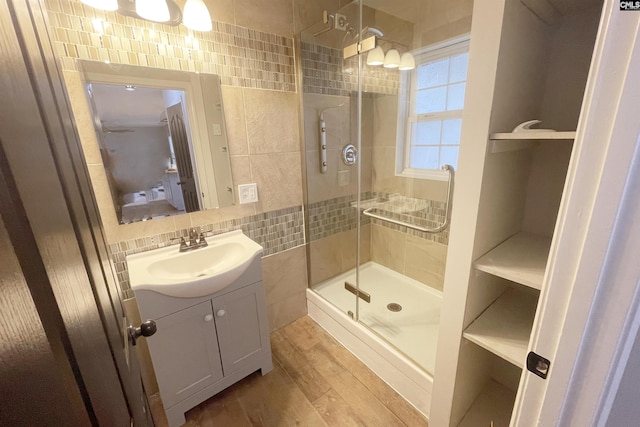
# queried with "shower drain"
point(394, 307)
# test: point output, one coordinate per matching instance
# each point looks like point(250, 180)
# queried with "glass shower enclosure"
point(381, 118)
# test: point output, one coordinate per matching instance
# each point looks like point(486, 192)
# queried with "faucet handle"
point(201, 240)
point(193, 235)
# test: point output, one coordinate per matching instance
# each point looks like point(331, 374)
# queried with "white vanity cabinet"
point(203, 345)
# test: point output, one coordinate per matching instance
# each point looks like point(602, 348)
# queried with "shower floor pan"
point(405, 315)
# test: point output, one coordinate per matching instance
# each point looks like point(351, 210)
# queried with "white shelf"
point(514, 141)
point(494, 404)
point(533, 135)
point(505, 327)
point(522, 259)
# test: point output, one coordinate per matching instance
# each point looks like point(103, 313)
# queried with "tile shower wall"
point(241, 56)
point(325, 72)
point(419, 255)
point(337, 215)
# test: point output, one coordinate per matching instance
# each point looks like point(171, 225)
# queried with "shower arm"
point(447, 214)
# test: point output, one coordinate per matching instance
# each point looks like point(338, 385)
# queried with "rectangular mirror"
point(162, 138)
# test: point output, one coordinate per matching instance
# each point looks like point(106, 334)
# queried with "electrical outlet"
point(248, 193)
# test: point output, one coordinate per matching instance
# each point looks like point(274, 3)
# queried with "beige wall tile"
point(288, 310)
point(272, 121)
point(385, 117)
point(234, 118)
point(274, 16)
point(425, 261)
point(279, 179)
point(427, 189)
point(308, 13)
point(348, 247)
point(212, 216)
point(388, 247)
point(285, 274)
point(241, 173)
point(384, 175)
point(324, 186)
point(325, 258)
point(220, 10)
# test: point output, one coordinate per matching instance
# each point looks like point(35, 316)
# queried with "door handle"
point(146, 329)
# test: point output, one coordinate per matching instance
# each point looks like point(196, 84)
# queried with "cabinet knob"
point(221, 313)
point(208, 318)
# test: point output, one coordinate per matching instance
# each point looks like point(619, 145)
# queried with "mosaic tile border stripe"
point(275, 231)
point(240, 56)
point(336, 215)
point(325, 72)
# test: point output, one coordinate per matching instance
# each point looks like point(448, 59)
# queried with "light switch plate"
point(248, 193)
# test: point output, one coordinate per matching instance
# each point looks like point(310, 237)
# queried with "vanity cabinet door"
point(185, 353)
point(241, 322)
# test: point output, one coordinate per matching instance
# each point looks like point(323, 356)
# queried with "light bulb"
point(375, 56)
point(392, 59)
point(102, 4)
point(153, 10)
point(407, 62)
point(196, 16)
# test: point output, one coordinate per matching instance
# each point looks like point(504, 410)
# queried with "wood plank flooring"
point(315, 382)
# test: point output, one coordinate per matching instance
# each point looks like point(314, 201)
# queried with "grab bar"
point(447, 214)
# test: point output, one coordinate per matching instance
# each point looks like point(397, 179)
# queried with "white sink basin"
point(194, 273)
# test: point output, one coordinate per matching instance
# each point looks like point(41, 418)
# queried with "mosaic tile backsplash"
point(239, 55)
point(336, 215)
point(325, 72)
point(275, 231)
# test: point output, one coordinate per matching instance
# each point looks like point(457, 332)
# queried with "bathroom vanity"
point(204, 342)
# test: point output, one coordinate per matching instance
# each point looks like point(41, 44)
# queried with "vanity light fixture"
point(375, 56)
point(392, 59)
point(407, 62)
point(129, 88)
point(196, 16)
point(153, 10)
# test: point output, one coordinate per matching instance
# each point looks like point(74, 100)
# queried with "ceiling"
point(408, 10)
point(120, 108)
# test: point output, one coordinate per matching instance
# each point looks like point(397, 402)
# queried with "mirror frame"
point(213, 172)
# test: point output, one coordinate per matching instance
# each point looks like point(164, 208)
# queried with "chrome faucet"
point(195, 241)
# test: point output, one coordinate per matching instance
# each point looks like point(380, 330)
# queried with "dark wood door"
point(180, 140)
point(54, 231)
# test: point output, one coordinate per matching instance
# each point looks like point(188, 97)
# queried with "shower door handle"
point(357, 292)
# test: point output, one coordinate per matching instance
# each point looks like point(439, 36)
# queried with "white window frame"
point(406, 100)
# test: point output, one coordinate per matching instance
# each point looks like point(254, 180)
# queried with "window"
point(430, 109)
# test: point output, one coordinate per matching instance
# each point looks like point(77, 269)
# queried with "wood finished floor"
point(315, 382)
